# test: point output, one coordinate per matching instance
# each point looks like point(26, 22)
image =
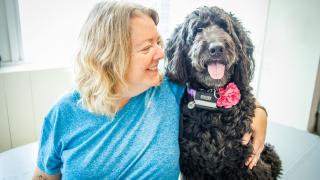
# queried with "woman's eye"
point(160, 43)
point(147, 48)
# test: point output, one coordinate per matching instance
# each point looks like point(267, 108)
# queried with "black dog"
point(212, 54)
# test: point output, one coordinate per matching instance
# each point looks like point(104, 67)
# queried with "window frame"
point(11, 33)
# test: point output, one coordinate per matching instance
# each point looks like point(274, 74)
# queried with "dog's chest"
point(213, 136)
point(225, 121)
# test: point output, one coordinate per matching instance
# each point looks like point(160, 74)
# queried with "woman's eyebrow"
point(143, 41)
point(147, 40)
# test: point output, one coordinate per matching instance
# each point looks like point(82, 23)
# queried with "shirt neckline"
point(132, 101)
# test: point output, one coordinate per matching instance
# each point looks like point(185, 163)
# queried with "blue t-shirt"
point(139, 142)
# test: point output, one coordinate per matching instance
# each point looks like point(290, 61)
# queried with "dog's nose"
point(216, 50)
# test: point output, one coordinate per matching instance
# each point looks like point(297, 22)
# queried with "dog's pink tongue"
point(216, 70)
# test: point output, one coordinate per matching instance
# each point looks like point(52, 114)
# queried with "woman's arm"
point(259, 128)
point(40, 175)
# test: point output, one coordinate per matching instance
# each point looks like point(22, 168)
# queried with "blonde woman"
point(122, 121)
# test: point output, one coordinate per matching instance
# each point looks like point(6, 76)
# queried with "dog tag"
point(191, 105)
point(205, 100)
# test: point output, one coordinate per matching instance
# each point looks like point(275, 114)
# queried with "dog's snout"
point(216, 50)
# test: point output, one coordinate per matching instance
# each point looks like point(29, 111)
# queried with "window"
point(49, 29)
point(10, 34)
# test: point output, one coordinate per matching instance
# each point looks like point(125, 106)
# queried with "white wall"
point(291, 56)
point(50, 29)
point(25, 98)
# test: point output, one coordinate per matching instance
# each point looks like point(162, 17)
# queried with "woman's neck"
point(123, 102)
point(131, 92)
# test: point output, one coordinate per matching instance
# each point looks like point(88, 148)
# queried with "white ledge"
point(32, 66)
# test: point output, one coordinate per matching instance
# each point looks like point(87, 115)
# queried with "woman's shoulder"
point(65, 103)
point(175, 87)
point(68, 98)
point(169, 87)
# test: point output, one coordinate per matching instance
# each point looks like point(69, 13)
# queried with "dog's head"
point(210, 47)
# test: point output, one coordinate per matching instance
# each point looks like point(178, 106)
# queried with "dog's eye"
point(198, 30)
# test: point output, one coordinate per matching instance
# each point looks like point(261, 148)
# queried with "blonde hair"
point(104, 54)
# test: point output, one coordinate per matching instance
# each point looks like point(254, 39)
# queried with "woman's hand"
point(259, 130)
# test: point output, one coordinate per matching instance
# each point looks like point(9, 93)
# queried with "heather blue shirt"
point(140, 142)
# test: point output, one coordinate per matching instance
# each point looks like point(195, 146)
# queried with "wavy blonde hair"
point(104, 54)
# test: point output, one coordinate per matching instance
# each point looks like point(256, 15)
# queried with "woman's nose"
point(159, 53)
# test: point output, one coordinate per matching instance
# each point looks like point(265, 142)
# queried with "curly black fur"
point(210, 144)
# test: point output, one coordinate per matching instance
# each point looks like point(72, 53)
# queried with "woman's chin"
point(158, 79)
point(155, 78)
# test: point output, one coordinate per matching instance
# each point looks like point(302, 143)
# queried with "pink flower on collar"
point(229, 96)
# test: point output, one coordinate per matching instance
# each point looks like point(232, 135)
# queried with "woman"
point(121, 121)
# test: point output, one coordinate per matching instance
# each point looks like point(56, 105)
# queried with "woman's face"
point(146, 53)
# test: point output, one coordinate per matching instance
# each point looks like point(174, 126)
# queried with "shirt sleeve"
point(177, 89)
point(49, 160)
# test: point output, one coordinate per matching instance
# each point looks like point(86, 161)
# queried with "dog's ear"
point(176, 55)
point(244, 68)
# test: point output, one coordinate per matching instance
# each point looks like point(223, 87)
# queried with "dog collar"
point(213, 98)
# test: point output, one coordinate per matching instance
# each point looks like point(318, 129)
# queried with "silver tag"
point(191, 104)
point(205, 100)
point(204, 104)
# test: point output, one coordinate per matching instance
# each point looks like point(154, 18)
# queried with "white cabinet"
point(19, 107)
point(25, 98)
point(5, 139)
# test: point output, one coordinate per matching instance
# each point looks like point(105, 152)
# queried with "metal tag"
point(191, 105)
point(205, 100)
